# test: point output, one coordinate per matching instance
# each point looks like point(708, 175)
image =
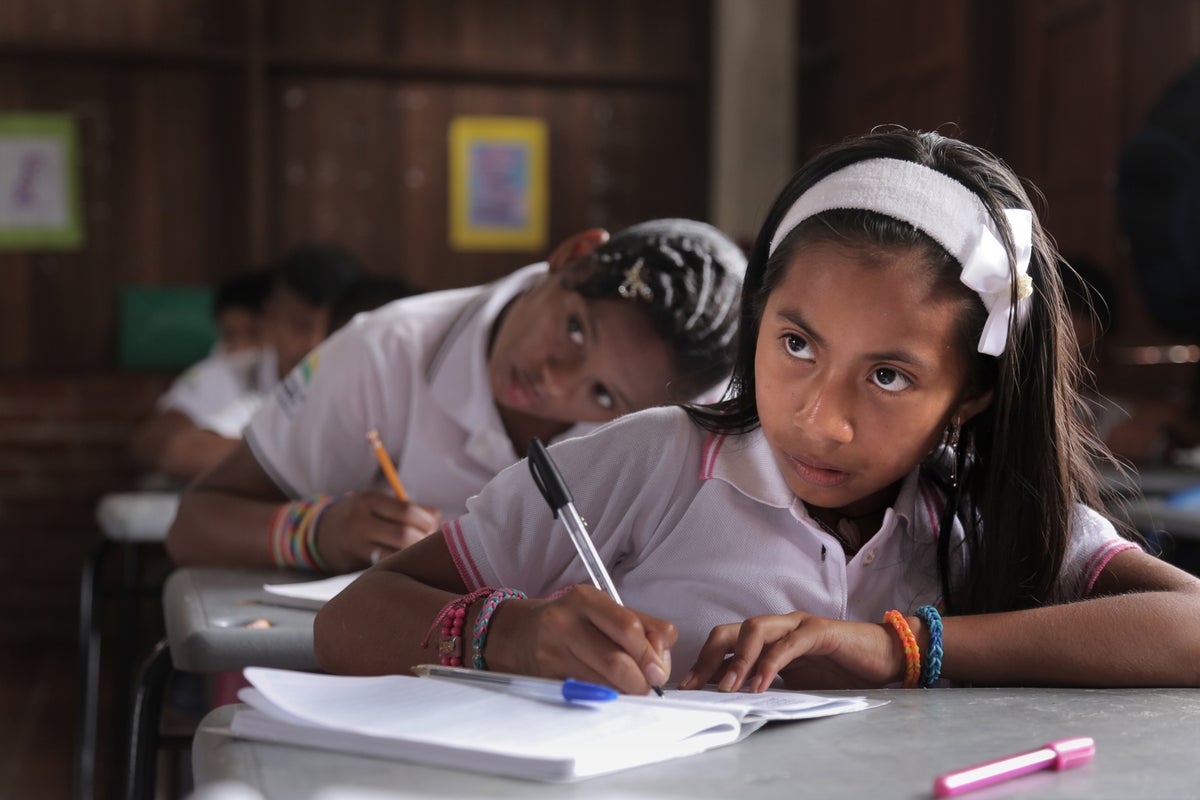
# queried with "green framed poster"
point(40, 207)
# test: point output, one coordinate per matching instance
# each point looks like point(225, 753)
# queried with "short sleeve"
point(310, 434)
point(621, 487)
point(1093, 543)
point(211, 394)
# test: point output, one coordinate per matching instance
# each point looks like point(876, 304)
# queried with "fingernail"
point(728, 682)
point(655, 674)
point(667, 661)
point(756, 683)
point(686, 682)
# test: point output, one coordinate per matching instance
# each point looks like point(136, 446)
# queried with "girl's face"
point(559, 357)
point(857, 373)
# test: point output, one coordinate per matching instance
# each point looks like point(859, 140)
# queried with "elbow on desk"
point(328, 654)
point(182, 542)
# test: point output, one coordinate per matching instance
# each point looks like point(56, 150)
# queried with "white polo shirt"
point(416, 369)
point(222, 392)
point(701, 529)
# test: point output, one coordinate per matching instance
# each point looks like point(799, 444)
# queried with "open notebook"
point(306, 594)
point(455, 724)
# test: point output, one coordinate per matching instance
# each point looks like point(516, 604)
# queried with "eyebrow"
point(903, 356)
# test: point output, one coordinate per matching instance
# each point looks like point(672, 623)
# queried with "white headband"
point(950, 213)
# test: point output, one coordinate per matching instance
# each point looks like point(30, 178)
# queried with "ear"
point(972, 405)
point(575, 247)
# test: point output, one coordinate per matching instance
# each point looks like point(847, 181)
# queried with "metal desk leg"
point(141, 765)
point(90, 622)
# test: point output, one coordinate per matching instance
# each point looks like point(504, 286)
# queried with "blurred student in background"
point(238, 311)
point(1141, 430)
point(200, 418)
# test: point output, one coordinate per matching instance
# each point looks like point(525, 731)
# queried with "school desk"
point(1145, 747)
point(215, 622)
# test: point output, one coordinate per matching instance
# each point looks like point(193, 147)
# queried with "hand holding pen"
point(552, 486)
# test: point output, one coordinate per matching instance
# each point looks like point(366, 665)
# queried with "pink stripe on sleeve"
point(467, 569)
point(708, 457)
point(1100, 559)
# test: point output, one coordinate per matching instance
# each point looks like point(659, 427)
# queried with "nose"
point(562, 377)
point(825, 412)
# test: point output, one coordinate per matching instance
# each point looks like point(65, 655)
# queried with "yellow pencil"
point(389, 471)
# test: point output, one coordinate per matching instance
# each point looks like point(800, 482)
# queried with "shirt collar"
point(746, 463)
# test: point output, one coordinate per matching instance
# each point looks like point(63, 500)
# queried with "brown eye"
point(575, 330)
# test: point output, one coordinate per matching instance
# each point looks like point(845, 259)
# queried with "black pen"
point(552, 486)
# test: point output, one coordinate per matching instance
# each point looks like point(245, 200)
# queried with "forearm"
point(1141, 639)
point(191, 453)
point(377, 625)
point(219, 528)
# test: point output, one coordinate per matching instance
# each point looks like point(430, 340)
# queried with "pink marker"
point(1059, 755)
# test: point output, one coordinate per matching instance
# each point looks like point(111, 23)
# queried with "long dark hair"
point(1022, 463)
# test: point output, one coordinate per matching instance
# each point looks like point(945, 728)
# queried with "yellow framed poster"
point(498, 183)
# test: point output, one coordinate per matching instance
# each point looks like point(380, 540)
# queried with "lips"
point(817, 473)
point(521, 391)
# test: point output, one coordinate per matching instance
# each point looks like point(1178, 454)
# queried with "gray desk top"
point(1146, 742)
point(208, 614)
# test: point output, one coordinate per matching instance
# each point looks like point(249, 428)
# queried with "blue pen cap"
point(581, 691)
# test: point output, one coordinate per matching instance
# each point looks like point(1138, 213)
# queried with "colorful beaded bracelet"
point(479, 639)
point(293, 533)
point(450, 620)
point(931, 665)
point(912, 653)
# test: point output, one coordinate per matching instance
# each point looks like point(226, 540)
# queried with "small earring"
point(952, 434)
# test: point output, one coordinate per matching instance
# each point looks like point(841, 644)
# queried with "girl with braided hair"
point(456, 383)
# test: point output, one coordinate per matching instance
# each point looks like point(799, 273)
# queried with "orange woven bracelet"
point(912, 653)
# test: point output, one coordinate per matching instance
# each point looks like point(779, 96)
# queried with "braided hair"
point(687, 276)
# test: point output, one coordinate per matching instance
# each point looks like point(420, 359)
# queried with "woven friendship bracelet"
point(931, 664)
point(479, 639)
point(912, 653)
point(450, 618)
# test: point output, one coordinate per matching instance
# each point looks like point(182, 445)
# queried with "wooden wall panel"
point(159, 206)
point(1052, 86)
point(359, 161)
point(631, 37)
point(144, 22)
point(866, 64)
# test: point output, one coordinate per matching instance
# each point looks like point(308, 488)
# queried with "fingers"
point(575, 247)
point(404, 513)
point(752, 652)
point(367, 527)
point(607, 642)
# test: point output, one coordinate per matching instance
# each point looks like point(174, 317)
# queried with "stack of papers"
point(456, 724)
point(308, 594)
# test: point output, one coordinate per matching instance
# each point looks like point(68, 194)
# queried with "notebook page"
point(602, 737)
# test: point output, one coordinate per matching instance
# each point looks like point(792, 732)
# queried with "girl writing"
point(456, 383)
point(900, 488)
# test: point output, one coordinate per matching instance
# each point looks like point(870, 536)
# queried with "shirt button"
point(870, 556)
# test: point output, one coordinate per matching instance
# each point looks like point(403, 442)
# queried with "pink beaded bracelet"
point(450, 620)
